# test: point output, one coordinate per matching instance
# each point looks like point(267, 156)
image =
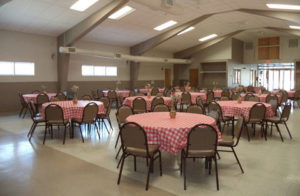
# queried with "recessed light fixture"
point(294, 27)
point(82, 5)
point(283, 6)
point(208, 37)
point(186, 30)
point(121, 13)
point(165, 25)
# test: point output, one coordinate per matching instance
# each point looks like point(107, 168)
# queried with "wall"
point(15, 46)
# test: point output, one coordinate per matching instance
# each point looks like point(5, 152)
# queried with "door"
point(168, 78)
point(194, 77)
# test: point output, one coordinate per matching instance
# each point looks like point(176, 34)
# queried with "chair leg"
point(238, 161)
point(217, 175)
point(65, 132)
point(160, 163)
point(32, 130)
point(148, 175)
point(245, 125)
point(120, 160)
point(288, 130)
point(181, 160)
point(117, 140)
point(279, 131)
point(81, 134)
point(118, 152)
point(45, 134)
point(105, 126)
point(108, 119)
point(21, 111)
point(25, 112)
point(121, 169)
point(184, 172)
point(218, 155)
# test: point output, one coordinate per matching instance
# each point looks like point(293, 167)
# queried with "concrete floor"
point(76, 168)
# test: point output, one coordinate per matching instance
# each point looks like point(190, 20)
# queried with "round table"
point(129, 101)
point(72, 110)
point(32, 97)
point(291, 94)
point(145, 90)
point(262, 97)
point(123, 93)
point(233, 108)
point(217, 93)
point(170, 134)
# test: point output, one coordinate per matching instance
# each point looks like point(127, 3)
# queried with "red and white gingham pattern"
point(194, 96)
point(32, 97)
point(217, 93)
point(74, 111)
point(170, 134)
point(291, 94)
point(145, 90)
point(129, 101)
point(262, 97)
point(123, 93)
point(233, 108)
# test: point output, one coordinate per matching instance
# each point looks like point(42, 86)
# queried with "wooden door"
point(194, 77)
point(168, 78)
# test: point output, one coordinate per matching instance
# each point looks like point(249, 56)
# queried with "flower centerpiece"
point(239, 100)
point(148, 87)
point(174, 97)
point(43, 87)
point(75, 89)
point(239, 89)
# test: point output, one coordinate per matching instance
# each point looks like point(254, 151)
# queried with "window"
point(92, 70)
point(16, 68)
point(236, 76)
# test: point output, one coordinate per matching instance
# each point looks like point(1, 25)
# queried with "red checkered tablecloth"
point(170, 134)
point(129, 101)
point(233, 108)
point(291, 94)
point(123, 93)
point(262, 97)
point(32, 97)
point(74, 110)
point(145, 90)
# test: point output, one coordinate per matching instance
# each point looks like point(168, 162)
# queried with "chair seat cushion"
point(226, 141)
point(199, 153)
point(38, 119)
point(227, 118)
point(58, 122)
point(142, 152)
point(273, 119)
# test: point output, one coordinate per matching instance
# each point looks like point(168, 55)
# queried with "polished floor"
point(76, 168)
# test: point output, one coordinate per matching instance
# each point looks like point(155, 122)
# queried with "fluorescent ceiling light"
point(165, 25)
point(186, 30)
point(284, 6)
point(294, 27)
point(121, 13)
point(82, 5)
point(208, 37)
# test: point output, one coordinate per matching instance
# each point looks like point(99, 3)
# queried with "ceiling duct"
point(167, 6)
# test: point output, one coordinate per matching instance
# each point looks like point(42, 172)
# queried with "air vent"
point(248, 46)
point(293, 43)
point(72, 49)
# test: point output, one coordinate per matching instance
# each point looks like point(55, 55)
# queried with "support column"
point(134, 72)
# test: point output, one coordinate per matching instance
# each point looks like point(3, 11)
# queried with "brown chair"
point(54, 115)
point(284, 98)
point(89, 116)
point(139, 105)
point(253, 98)
point(24, 105)
point(86, 98)
point(232, 141)
point(154, 91)
point(202, 142)
point(94, 95)
point(225, 93)
point(100, 93)
point(214, 107)
point(199, 101)
point(297, 98)
point(35, 119)
point(156, 101)
point(113, 98)
point(40, 100)
point(134, 143)
point(272, 99)
point(248, 95)
point(61, 96)
point(235, 96)
point(196, 109)
point(54, 99)
point(186, 100)
point(281, 120)
point(121, 116)
point(210, 96)
point(102, 117)
point(224, 99)
point(250, 89)
point(256, 116)
point(161, 108)
point(131, 93)
point(165, 93)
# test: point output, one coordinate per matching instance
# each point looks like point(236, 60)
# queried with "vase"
point(75, 100)
point(173, 114)
point(149, 95)
point(239, 100)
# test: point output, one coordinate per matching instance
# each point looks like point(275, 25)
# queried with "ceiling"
point(53, 17)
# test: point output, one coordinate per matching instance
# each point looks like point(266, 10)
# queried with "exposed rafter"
point(281, 15)
point(193, 50)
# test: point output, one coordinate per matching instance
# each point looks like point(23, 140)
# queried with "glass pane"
point(87, 70)
point(111, 71)
point(99, 71)
point(22, 68)
point(6, 68)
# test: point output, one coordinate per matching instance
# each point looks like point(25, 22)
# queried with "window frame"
point(14, 69)
point(105, 71)
point(237, 76)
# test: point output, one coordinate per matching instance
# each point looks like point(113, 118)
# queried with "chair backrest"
point(161, 108)
point(271, 97)
point(42, 98)
point(285, 115)
point(22, 100)
point(106, 104)
point(186, 98)
point(32, 109)
point(139, 105)
point(202, 137)
point(210, 96)
point(154, 91)
point(285, 97)
point(54, 114)
point(53, 99)
point(94, 94)
point(156, 101)
point(90, 112)
point(100, 93)
point(199, 101)
point(248, 95)
point(238, 127)
point(123, 112)
point(112, 94)
point(250, 89)
point(131, 93)
point(165, 92)
point(297, 94)
point(61, 96)
point(224, 98)
point(254, 98)
point(265, 91)
point(134, 139)
point(196, 109)
point(257, 112)
point(225, 93)
point(235, 96)
point(86, 97)
point(36, 92)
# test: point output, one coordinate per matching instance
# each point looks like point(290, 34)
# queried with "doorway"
point(168, 78)
point(194, 73)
